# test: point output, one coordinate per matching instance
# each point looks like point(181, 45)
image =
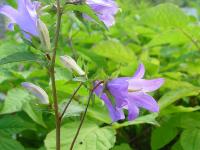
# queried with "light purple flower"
point(105, 10)
point(25, 17)
point(130, 93)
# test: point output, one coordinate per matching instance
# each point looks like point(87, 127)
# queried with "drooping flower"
point(70, 63)
point(37, 91)
point(130, 93)
point(25, 17)
point(105, 10)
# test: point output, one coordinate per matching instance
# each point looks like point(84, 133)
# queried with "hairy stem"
point(83, 117)
point(52, 75)
point(70, 100)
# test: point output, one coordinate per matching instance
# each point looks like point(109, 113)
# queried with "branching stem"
point(83, 117)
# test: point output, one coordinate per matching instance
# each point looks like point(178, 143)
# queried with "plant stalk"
point(52, 75)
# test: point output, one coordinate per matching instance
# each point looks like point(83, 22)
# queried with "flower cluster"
point(129, 93)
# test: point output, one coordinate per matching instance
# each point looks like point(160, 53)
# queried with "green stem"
point(52, 75)
point(70, 100)
point(83, 117)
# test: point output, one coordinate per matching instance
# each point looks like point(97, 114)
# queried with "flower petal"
point(145, 85)
point(37, 91)
point(10, 12)
point(115, 113)
point(119, 89)
point(140, 72)
point(133, 111)
point(143, 100)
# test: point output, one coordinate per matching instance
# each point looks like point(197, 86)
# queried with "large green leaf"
point(165, 15)
point(12, 124)
point(115, 51)
point(190, 139)
point(162, 135)
point(14, 101)
point(9, 144)
point(20, 56)
point(91, 137)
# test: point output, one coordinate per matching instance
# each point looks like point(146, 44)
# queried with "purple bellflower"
point(25, 17)
point(105, 10)
point(129, 93)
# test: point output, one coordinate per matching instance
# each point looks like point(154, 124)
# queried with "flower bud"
point(37, 91)
point(44, 35)
point(71, 64)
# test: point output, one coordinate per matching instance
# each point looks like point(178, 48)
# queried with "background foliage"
point(164, 36)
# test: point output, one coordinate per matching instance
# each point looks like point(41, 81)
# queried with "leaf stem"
point(52, 75)
point(70, 100)
point(83, 117)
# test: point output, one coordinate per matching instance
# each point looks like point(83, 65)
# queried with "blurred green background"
point(162, 34)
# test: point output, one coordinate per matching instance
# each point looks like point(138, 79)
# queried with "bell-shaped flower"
point(25, 17)
point(130, 93)
point(70, 63)
point(37, 91)
point(105, 10)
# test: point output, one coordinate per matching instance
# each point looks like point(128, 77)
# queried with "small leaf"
point(19, 57)
point(34, 114)
point(150, 119)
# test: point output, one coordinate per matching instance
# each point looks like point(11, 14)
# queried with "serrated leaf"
point(91, 137)
point(19, 57)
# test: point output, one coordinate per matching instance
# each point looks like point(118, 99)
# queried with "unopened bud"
point(37, 91)
point(71, 64)
point(44, 35)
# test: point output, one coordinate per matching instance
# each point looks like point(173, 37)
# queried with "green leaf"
point(150, 119)
point(190, 139)
point(123, 146)
point(14, 101)
point(176, 109)
point(115, 51)
point(172, 96)
point(91, 137)
point(19, 57)
point(83, 8)
point(165, 15)
point(34, 114)
point(9, 144)
point(162, 135)
point(11, 124)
